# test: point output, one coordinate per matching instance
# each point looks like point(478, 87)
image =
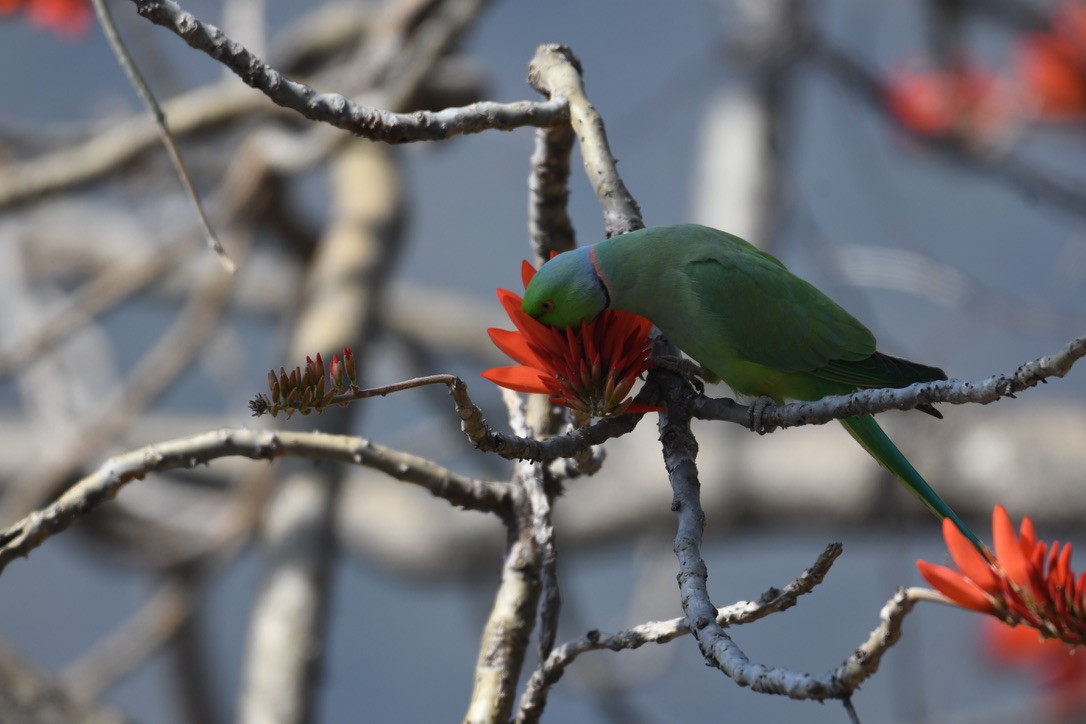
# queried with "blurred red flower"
point(1060, 671)
point(66, 18)
point(1052, 66)
point(932, 102)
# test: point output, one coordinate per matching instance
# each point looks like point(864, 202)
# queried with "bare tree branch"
point(29, 695)
point(556, 73)
point(716, 646)
point(865, 660)
point(338, 110)
point(148, 98)
point(548, 188)
point(772, 601)
point(955, 392)
point(509, 627)
point(27, 534)
point(123, 140)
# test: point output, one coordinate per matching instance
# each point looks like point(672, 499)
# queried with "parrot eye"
point(547, 306)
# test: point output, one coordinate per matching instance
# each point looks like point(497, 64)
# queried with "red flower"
point(938, 103)
point(589, 369)
point(1025, 582)
point(1052, 66)
point(67, 18)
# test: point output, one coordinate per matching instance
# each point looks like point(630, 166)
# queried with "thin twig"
point(511, 447)
point(865, 660)
point(145, 94)
point(133, 642)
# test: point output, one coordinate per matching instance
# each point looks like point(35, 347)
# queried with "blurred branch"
point(122, 141)
point(238, 195)
point(142, 634)
point(159, 367)
point(337, 110)
point(662, 632)
point(110, 287)
point(103, 484)
point(162, 616)
point(28, 695)
point(345, 285)
point(956, 392)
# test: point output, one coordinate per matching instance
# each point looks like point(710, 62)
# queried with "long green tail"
point(868, 433)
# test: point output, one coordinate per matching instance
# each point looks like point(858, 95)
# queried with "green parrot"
point(744, 317)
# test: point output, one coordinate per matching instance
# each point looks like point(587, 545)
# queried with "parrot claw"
point(757, 410)
point(694, 373)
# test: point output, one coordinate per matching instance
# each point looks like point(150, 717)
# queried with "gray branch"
point(548, 189)
point(718, 649)
point(338, 110)
point(955, 392)
point(103, 484)
point(556, 73)
point(772, 601)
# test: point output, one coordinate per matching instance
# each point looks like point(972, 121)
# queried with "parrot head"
point(566, 290)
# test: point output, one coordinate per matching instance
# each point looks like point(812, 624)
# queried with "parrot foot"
point(691, 370)
point(756, 410)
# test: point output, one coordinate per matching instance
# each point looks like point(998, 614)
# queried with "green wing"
point(771, 317)
point(880, 370)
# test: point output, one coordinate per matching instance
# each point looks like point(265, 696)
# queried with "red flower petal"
point(521, 379)
point(958, 589)
point(1009, 549)
point(514, 345)
point(527, 271)
point(968, 559)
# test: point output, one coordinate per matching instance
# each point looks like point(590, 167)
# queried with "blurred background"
point(919, 162)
